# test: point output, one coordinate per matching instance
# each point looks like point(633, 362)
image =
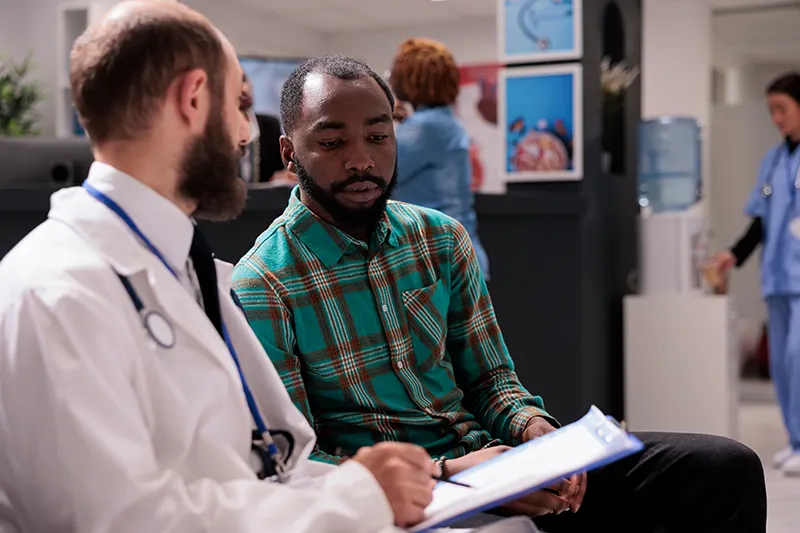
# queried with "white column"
point(677, 64)
point(676, 58)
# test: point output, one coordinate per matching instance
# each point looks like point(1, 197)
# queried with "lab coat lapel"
point(127, 256)
point(274, 403)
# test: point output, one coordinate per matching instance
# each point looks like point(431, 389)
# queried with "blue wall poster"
point(541, 119)
point(539, 30)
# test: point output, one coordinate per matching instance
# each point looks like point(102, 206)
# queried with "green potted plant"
point(18, 98)
point(614, 79)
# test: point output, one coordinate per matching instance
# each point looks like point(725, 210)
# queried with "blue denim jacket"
point(434, 169)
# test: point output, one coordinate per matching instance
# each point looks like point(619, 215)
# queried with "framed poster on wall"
point(540, 112)
point(530, 31)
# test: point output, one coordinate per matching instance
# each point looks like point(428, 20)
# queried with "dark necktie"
point(206, 272)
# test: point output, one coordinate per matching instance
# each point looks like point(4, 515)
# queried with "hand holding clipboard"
point(589, 443)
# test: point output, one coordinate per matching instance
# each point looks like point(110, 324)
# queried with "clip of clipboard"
point(593, 441)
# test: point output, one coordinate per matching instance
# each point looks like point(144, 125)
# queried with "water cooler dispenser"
point(677, 337)
point(673, 246)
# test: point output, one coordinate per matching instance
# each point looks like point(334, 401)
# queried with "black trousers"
point(680, 483)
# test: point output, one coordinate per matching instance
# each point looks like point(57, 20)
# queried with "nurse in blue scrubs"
point(774, 209)
point(433, 148)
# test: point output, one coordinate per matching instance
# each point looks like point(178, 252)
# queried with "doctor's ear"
point(287, 153)
point(193, 98)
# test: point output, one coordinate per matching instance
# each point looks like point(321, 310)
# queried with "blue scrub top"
point(434, 169)
point(780, 258)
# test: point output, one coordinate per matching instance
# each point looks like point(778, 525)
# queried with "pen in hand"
point(451, 482)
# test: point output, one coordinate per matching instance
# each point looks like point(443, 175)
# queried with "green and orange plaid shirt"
point(395, 340)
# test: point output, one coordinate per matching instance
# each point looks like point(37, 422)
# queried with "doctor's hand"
point(724, 261)
point(404, 472)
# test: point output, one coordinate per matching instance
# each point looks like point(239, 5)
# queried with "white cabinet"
point(681, 364)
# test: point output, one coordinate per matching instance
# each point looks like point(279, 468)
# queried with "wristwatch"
point(442, 468)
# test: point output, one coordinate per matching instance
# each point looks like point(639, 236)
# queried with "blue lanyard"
point(272, 449)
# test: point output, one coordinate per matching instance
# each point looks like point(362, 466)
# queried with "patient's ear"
point(287, 153)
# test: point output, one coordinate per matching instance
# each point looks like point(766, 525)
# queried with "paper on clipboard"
point(591, 442)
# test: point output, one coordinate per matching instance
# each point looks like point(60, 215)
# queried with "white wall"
point(14, 22)
point(676, 73)
point(755, 79)
point(743, 135)
point(31, 25)
point(471, 41)
point(254, 33)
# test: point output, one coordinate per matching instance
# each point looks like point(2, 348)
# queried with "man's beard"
point(347, 218)
point(210, 174)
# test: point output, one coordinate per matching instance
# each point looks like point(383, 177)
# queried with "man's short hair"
point(340, 67)
point(122, 69)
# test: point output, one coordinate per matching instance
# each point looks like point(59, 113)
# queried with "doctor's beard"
point(210, 173)
point(345, 217)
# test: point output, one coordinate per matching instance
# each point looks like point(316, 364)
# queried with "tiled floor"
point(760, 428)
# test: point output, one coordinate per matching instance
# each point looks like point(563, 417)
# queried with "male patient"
point(377, 317)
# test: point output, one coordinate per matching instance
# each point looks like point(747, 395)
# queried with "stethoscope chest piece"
point(159, 329)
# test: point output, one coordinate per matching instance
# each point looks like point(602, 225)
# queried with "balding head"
point(123, 67)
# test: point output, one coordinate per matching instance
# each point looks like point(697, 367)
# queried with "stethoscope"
point(766, 189)
point(528, 12)
point(162, 333)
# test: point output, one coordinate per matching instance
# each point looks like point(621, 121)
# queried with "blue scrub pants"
point(784, 360)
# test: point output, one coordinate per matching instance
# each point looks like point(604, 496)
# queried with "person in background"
point(251, 159)
point(262, 159)
point(433, 149)
point(377, 317)
point(271, 166)
point(131, 385)
point(774, 210)
point(401, 112)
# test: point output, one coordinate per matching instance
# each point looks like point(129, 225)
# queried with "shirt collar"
point(167, 227)
point(325, 240)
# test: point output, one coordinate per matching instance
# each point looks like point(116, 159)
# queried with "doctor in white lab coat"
point(121, 405)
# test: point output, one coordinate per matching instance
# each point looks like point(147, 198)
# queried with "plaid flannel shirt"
point(395, 340)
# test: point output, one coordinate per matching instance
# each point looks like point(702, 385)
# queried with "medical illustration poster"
point(541, 115)
point(477, 111)
point(529, 31)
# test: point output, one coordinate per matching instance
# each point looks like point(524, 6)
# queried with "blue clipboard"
point(602, 440)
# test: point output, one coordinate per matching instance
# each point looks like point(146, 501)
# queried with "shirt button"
point(400, 365)
point(385, 308)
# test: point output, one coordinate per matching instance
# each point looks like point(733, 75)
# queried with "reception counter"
point(534, 244)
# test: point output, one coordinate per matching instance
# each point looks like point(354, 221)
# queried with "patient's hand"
point(534, 504)
point(537, 427)
point(454, 466)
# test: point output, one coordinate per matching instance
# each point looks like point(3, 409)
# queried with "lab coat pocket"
point(426, 316)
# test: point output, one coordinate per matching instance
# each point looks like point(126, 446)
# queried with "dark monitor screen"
point(268, 76)
point(32, 162)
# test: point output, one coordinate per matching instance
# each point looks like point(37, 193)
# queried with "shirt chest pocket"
point(426, 316)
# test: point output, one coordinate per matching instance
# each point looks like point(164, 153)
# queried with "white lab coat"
point(103, 431)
